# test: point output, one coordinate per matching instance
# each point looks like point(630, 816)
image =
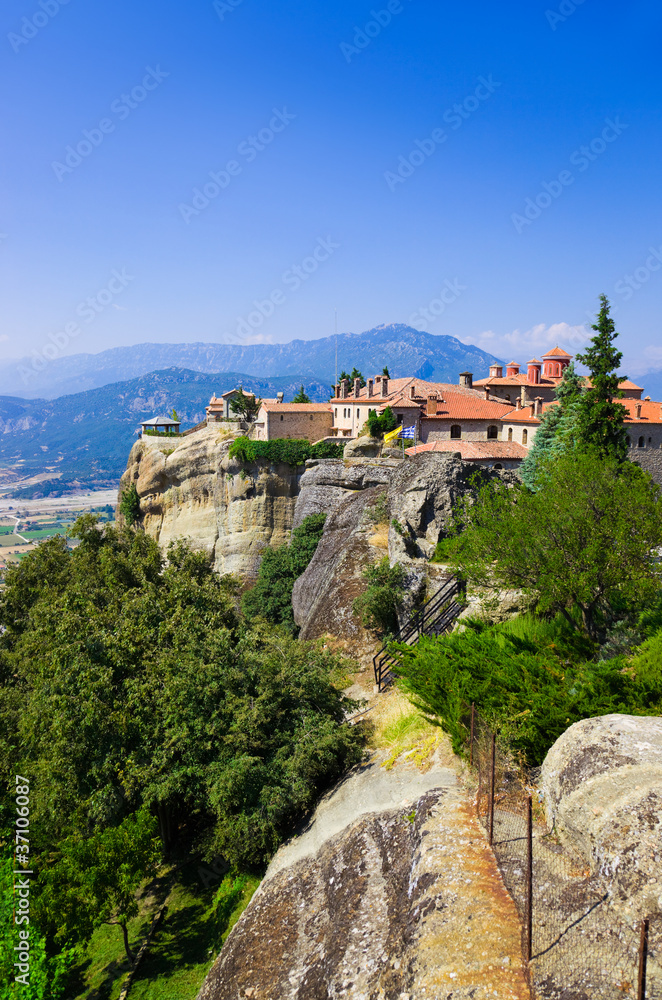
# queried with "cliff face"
point(190, 488)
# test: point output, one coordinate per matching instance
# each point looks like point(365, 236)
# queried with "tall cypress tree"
point(600, 426)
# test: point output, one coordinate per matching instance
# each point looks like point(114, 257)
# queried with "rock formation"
point(189, 488)
point(602, 786)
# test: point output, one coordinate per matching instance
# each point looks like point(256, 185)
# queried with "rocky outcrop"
point(602, 787)
point(404, 518)
point(363, 447)
point(190, 489)
point(327, 482)
point(385, 907)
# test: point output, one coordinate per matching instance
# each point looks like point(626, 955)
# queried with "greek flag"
point(408, 432)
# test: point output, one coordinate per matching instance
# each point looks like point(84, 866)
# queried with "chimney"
point(384, 385)
point(369, 388)
point(279, 397)
point(357, 388)
point(412, 391)
point(431, 409)
point(378, 379)
point(487, 391)
point(344, 388)
point(537, 406)
point(467, 380)
point(336, 390)
point(522, 397)
point(638, 409)
point(518, 403)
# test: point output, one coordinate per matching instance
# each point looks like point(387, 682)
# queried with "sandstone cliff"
point(190, 489)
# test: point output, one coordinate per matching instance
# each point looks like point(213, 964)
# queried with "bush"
point(530, 680)
point(130, 505)
point(380, 424)
point(378, 606)
point(271, 597)
point(291, 451)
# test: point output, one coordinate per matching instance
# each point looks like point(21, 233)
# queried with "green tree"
point(301, 396)
point(557, 430)
point(356, 374)
point(582, 545)
point(600, 418)
point(245, 404)
point(129, 505)
point(380, 424)
point(96, 878)
point(271, 597)
point(378, 605)
point(385, 372)
point(174, 416)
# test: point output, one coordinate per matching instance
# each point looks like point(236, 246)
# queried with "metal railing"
point(435, 617)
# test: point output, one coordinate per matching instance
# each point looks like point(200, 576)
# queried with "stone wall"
point(649, 459)
point(311, 426)
point(472, 430)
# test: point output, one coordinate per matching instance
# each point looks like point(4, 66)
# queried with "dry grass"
point(403, 734)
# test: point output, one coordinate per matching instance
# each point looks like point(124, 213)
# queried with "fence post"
point(492, 780)
point(471, 738)
point(643, 958)
point(529, 878)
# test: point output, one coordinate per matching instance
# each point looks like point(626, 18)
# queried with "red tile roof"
point(469, 406)
point(272, 406)
point(557, 352)
point(474, 449)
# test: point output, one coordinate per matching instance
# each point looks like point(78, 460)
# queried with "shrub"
point(378, 606)
point(291, 451)
point(380, 424)
point(130, 505)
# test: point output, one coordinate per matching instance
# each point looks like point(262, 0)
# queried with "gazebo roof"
point(160, 421)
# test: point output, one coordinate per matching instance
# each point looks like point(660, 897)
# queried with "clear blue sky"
point(360, 103)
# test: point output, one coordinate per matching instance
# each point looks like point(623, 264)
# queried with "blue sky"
point(305, 112)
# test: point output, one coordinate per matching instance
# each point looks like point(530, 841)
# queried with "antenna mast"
point(335, 311)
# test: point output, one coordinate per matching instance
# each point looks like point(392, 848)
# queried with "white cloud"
point(521, 346)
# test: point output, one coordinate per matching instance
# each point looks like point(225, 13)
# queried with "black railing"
point(435, 617)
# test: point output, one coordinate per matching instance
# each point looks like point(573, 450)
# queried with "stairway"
point(437, 616)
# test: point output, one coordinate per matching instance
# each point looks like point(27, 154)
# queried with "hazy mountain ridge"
point(406, 352)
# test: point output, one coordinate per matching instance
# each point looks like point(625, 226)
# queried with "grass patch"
point(104, 966)
point(401, 731)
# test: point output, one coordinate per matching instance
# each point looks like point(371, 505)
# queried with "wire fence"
point(577, 945)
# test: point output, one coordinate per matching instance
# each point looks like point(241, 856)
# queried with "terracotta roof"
point(474, 449)
point(272, 406)
point(557, 352)
point(460, 406)
point(651, 411)
point(624, 384)
point(400, 389)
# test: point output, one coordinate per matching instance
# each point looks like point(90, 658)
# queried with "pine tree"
point(600, 426)
point(557, 430)
point(301, 396)
point(385, 372)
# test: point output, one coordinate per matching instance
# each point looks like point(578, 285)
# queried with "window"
point(642, 443)
point(508, 396)
point(525, 436)
point(498, 465)
point(281, 416)
point(492, 432)
point(336, 412)
point(628, 442)
point(510, 433)
point(456, 431)
point(358, 412)
point(311, 416)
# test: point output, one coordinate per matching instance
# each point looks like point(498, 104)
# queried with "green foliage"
point(581, 545)
point(271, 597)
point(129, 505)
point(291, 451)
point(385, 372)
point(246, 405)
point(378, 606)
point(152, 432)
point(557, 431)
point(380, 424)
point(600, 424)
point(356, 374)
point(95, 878)
point(174, 415)
point(301, 396)
point(378, 512)
point(530, 682)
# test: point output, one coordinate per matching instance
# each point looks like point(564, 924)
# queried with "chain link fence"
point(577, 944)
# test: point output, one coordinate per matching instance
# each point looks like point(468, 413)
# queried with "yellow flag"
point(392, 435)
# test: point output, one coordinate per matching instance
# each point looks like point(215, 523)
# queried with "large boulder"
point(363, 447)
point(602, 788)
point(326, 482)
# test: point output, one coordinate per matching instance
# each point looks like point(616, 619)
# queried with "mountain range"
point(404, 350)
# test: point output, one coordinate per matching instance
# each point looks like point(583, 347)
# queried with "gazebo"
point(160, 425)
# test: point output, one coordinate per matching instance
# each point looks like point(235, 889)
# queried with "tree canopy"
point(582, 545)
point(246, 404)
point(380, 424)
point(301, 396)
point(599, 421)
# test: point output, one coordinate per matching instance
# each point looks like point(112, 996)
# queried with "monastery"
point(492, 421)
